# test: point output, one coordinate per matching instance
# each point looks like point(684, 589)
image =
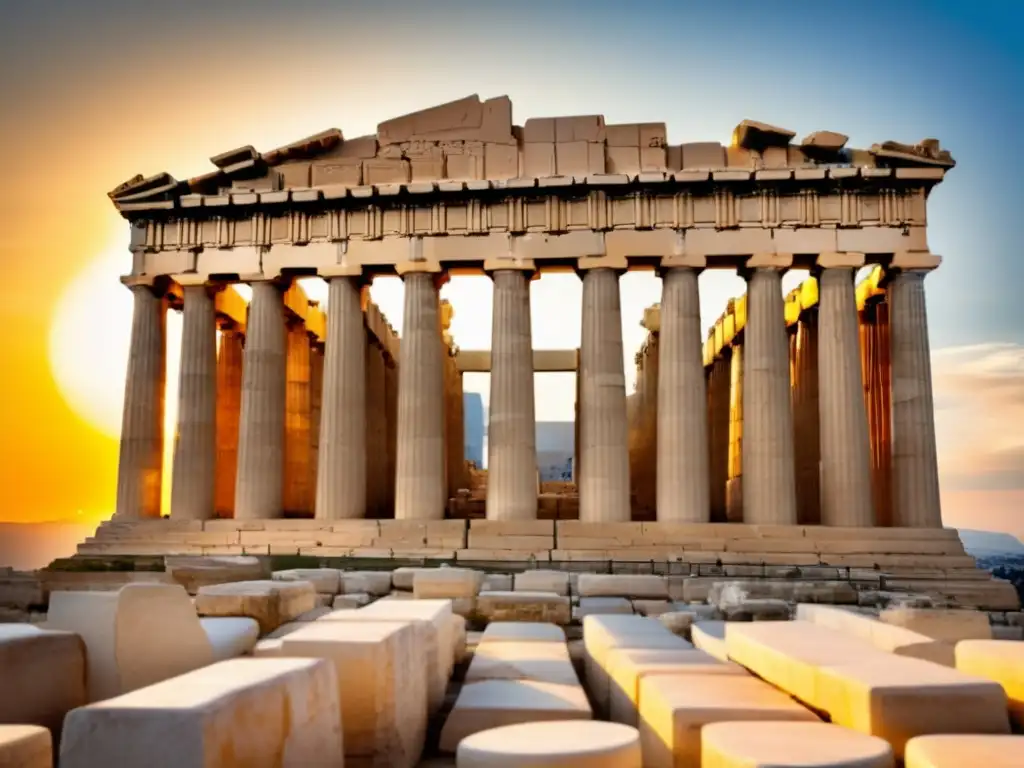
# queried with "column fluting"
point(229, 411)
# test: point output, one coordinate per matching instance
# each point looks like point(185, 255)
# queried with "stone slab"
point(541, 580)
point(381, 676)
point(674, 708)
point(271, 603)
point(545, 662)
point(741, 745)
point(581, 744)
point(709, 636)
point(545, 607)
point(1001, 661)
point(446, 583)
point(522, 632)
point(627, 666)
point(353, 600)
point(43, 673)
point(25, 746)
point(262, 712)
point(494, 703)
point(947, 624)
point(957, 750)
point(598, 606)
point(377, 583)
point(195, 572)
point(326, 581)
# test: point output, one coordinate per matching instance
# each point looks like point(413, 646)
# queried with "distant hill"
point(26, 546)
point(987, 543)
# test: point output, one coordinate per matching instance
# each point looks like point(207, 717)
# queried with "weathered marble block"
point(446, 583)
point(264, 713)
point(957, 750)
point(25, 746)
point(494, 703)
point(541, 580)
point(382, 685)
point(599, 606)
point(946, 624)
point(546, 607)
point(738, 745)
point(635, 586)
point(195, 572)
point(515, 660)
point(522, 632)
point(326, 581)
point(43, 676)
point(1001, 661)
point(674, 708)
point(376, 583)
point(585, 744)
point(353, 600)
point(270, 603)
point(709, 636)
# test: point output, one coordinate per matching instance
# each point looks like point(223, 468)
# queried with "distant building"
point(473, 419)
point(555, 446)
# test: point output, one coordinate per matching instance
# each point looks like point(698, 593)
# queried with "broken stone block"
point(453, 117)
point(546, 662)
point(751, 134)
point(651, 607)
point(586, 744)
point(25, 746)
point(740, 157)
point(539, 130)
point(522, 632)
point(350, 601)
point(737, 745)
point(709, 636)
point(385, 723)
point(250, 709)
point(541, 580)
point(459, 638)
point(313, 615)
point(326, 581)
point(44, 676)
point(402, 578)
point(524, 606)
point(703, 155)
point(195, 572)
point(270, 603)
point(826, 142)
point(494, 703)
point(774, 158)
point(580, 128)
point(1001, 661)
point(622, 160)
point(764, 609)
point(501, 161)
point(653, 159)
point(597, 606)
point(1008, 633)
point(653, 135)
point(674, 158)
point(361, 147)
point(446, 583)
point(498, 582)
point(678, 622)
point(627, 666)
point(635, 586)
point(538, 160)
point(674, 709)
point(949, 624)
point(962, 749)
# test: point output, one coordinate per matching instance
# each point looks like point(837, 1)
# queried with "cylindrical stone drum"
point(552, 744)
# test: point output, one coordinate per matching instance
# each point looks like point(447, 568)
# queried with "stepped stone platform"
point(861, 565)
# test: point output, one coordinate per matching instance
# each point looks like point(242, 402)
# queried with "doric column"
point(229, 409)
point(259, 487)
point(769, 486)
point(734, 468)
point(193, 482)
point(577, 413)
point(682, 434)
point(376, 431)
point(420, 459)
point(460, 433)
point(512, 440)
point(806, 449)
point(604, 477)
point(140, 461)
point(316, 389)
point(915, 475)
point(646, 490)
point(718, 433)
point(298, 446)
point(875, 367)
point(845, 449)
point(391, 428)
point(341, 474)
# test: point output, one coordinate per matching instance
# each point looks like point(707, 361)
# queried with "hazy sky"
point(96, 91)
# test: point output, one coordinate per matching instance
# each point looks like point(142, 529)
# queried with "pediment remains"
point(474, 140)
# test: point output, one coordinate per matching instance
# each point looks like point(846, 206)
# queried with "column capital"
point(328, 271)
point(512, 265)
point(839, 260)
point(780, 262)
point(695, 261)
point(618, 264)
point(157, 284)
point(914, 261)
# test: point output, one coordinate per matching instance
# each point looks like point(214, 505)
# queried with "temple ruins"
point(749, 566)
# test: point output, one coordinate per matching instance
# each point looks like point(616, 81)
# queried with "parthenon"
point(333, 415)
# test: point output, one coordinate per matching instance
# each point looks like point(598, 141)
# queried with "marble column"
point(341, 474)
point(769, 485)
point(391, 429)
point(140, 460)
point(806, 433)
point(734, 470)
point(376, 431)
point(459, 452)
point(604, 481)
point(646, 492)
point(682, 429)
point(229, 411)
point(577, 411)
point(511, 431)
point(193, 481)
point(420, 459)
point(915, 475)
point(845, 450)
point(259, 485)
point(718, 433)
point(875, 365)
point(316, 389)
point(298, 446)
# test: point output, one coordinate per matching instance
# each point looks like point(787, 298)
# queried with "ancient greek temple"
point(808, 409)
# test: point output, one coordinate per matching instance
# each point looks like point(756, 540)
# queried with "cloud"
point(979, 416)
